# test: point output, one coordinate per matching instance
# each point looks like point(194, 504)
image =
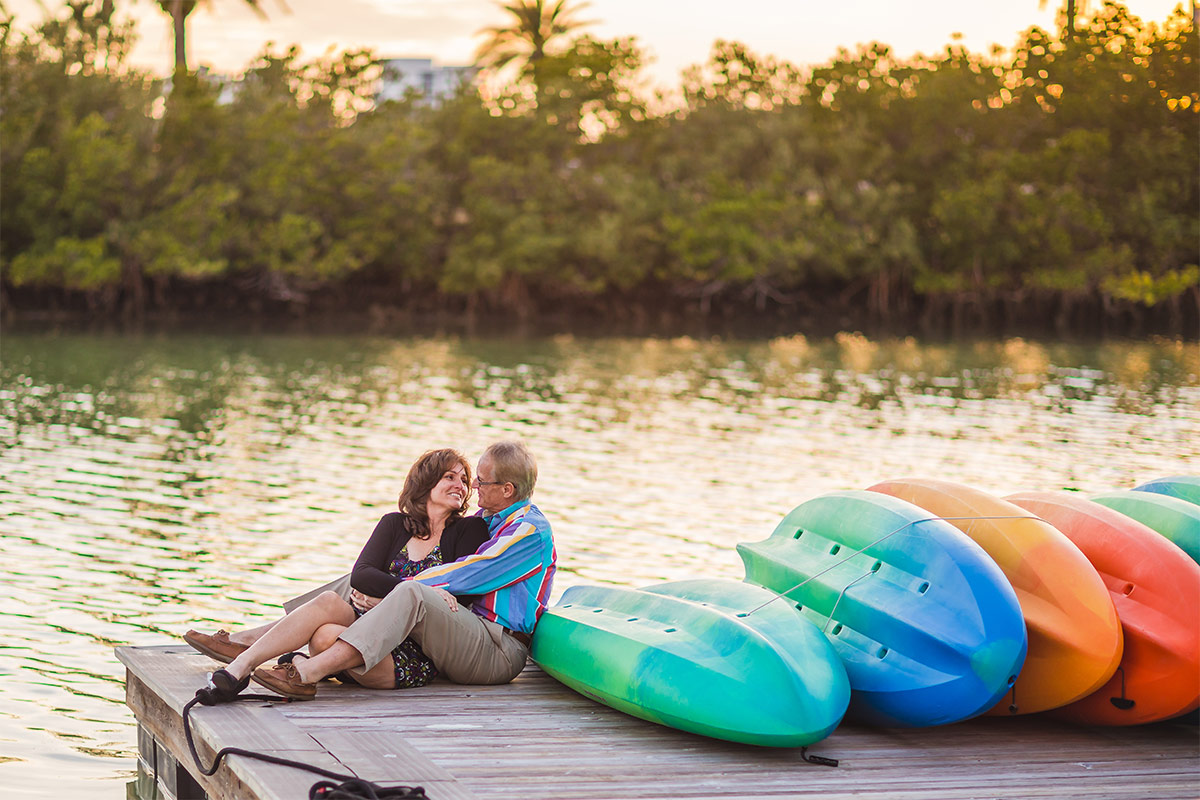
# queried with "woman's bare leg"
point(249, 636)
point(380, 676)
point(293, 631)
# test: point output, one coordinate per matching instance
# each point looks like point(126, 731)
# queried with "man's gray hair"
point(513, 463)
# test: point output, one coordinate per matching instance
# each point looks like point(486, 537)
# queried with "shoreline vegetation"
point(1055, 186)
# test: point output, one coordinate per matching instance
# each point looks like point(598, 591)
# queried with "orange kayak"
point(1074, 633)
point(1154, 585)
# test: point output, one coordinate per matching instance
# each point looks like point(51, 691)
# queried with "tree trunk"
point(1062, 321)
point(134, 289)
point(179, 18)
point(877, 296)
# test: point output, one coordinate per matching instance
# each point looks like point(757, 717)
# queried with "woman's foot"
point(285, 679)
point(218, 646)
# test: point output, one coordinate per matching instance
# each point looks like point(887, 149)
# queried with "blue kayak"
point(927, 625)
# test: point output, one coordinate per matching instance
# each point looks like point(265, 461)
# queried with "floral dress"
point(413, 668)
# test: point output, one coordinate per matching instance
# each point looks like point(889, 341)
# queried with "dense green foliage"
point(1058, 177)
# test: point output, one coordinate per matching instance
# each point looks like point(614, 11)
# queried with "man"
point(511, 575)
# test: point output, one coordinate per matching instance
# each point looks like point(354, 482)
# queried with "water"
point(152, 484)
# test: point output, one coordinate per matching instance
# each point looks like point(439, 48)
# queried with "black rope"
point(822, 760)
point(350, 788)
point(358, 789)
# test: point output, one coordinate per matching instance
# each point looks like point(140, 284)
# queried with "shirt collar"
point(494, 520)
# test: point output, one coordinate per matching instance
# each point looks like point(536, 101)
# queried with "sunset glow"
point(227, 34)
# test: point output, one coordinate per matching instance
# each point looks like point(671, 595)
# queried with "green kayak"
point(1176, 519)
point(714, 657)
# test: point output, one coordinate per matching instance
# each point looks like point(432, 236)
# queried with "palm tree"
point(1074, 8)
point(179, 11)
point(532, 26)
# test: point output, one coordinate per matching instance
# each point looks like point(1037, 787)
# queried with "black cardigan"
point(370, 576)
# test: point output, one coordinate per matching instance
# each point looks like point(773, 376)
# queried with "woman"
point(429, 529)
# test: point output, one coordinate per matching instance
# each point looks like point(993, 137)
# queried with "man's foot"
point(217, 646)
point(285, 679)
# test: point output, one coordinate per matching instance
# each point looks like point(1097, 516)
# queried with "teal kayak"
point(1185, 487)
point(714, 657)
point(927, 625)
point(1176, 519)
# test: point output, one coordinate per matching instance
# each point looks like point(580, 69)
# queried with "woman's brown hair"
point(422, 476)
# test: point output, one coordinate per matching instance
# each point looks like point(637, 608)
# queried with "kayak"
point(715, 657)
point(1074, 633)
point(1148, 578)
point(1185, 487)
point(1176, 519)
point(927, 626)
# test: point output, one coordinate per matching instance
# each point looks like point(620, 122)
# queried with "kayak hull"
point(1176, 519)
point(1075, 639)
point(1185, 487)
point(1148, 578)
point(929, 630)
point(718, 658)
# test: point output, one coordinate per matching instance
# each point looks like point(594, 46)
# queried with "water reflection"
point(148, 484)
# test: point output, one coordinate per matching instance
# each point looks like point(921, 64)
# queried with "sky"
point(226, 35)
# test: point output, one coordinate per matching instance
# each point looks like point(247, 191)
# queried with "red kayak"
point(1154, 586)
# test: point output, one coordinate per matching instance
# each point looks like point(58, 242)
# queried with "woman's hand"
point(363, 602)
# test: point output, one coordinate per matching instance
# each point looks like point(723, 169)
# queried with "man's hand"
point(449, 598)
point(363, 602)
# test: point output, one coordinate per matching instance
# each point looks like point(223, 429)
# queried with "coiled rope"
point(350, 787)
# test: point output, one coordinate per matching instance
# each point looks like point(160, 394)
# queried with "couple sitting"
point(433, 592)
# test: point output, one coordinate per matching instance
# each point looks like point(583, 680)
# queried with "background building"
point(421, 75)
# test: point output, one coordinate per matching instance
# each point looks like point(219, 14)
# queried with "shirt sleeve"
point(370, 575)
point(510, 559)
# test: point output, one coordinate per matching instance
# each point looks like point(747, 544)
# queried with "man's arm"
point(510, 558)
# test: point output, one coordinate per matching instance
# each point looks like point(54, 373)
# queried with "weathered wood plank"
point(160, 681)
point(386, 758)
point(238, 777)
point(535, 739)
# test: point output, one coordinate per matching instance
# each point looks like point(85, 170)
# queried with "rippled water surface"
point(149, 484)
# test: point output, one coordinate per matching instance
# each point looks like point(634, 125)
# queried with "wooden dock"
point(534, 738)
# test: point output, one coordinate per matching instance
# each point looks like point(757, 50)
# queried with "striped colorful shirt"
point(513, 570)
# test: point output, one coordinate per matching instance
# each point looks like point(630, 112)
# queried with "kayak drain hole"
point(632, 619)
point(924, 587)
point(669, 630)
point(875, 567)
point(883, 651)
point(597, 610)
point(1127, 589)
point(837, 629)
point(834, 550)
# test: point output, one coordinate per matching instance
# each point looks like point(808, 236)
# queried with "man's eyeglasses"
point(478, 482)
